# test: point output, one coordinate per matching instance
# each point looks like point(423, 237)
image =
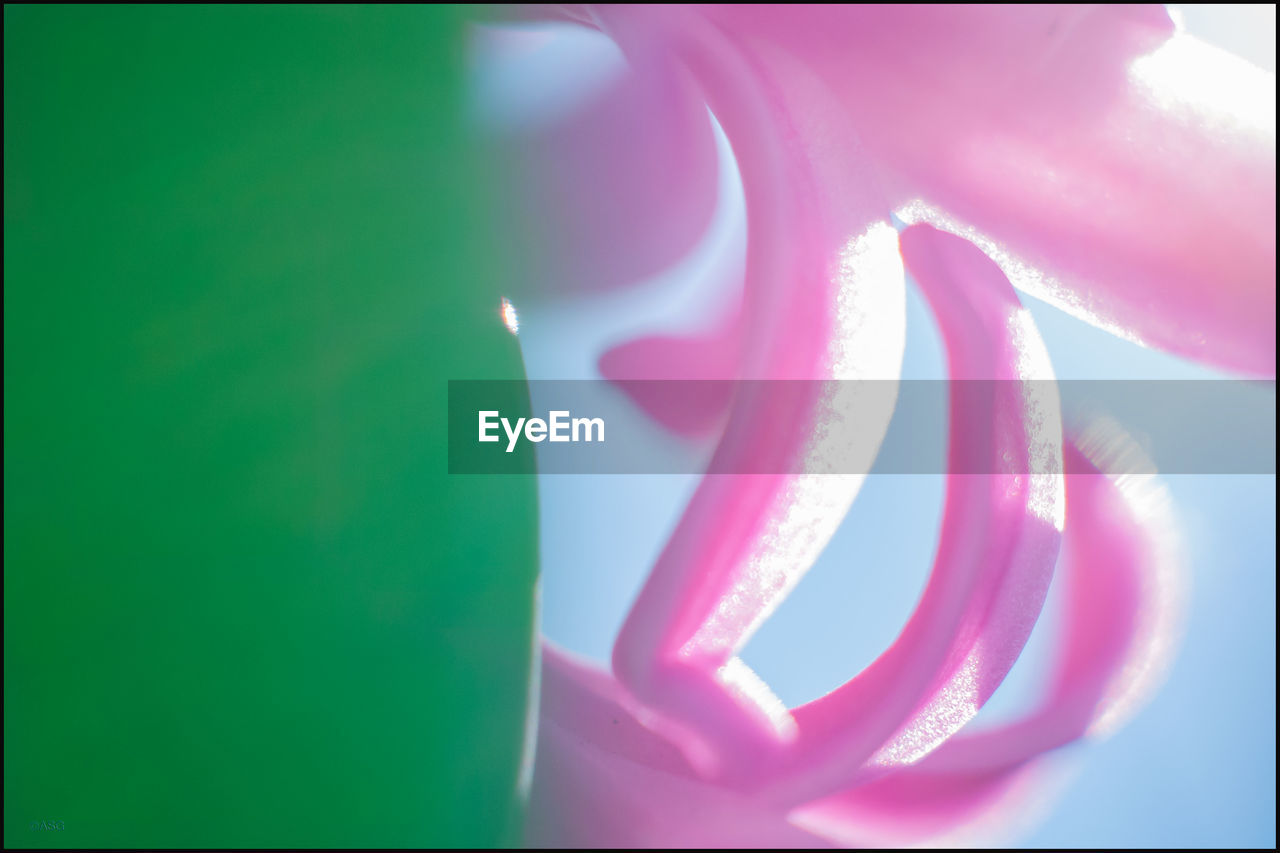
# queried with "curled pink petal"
point(999, 541)
point(823, 298)
point(1124, 582)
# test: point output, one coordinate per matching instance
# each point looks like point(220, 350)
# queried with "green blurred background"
point(245, 605)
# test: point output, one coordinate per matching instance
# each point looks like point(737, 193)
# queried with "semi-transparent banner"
point(859, 426)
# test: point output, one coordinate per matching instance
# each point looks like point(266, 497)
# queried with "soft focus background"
point(1196, 767)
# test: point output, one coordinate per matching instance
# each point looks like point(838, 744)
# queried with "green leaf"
point(245, 605)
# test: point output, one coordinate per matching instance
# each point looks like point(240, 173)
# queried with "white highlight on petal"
point(867, 343)
point(1042, 418)
point(1166, 580)
point(1208, 86)
point(1021, 274)
point(743, 680)
point(947, 710)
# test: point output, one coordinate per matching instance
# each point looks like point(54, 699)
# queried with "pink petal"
point(1120, 170)
point(823, 298)
point(999, 540)
point(604, 780)
point(1050, 137)
point(686, 407)
point(1124, 587)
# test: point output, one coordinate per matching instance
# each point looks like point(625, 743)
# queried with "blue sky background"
point(1196, 767)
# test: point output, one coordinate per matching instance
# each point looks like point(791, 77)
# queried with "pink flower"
point(1092, 156)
